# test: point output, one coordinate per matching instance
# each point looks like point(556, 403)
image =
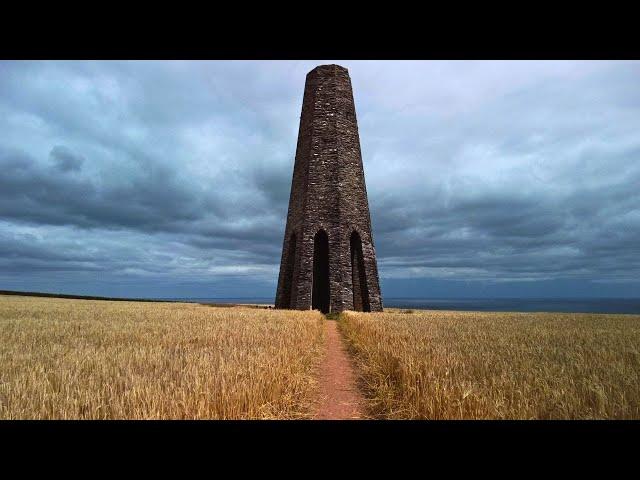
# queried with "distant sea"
point(576, 305)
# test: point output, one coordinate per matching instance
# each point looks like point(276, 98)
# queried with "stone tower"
point(328, 258)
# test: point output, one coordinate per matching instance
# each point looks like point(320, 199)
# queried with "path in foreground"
point(339, 398)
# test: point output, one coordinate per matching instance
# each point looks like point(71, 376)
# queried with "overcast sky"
point(171, 179)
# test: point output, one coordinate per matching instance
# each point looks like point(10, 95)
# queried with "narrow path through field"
point(339, 398)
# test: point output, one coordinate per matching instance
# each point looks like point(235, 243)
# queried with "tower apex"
point(329, 68)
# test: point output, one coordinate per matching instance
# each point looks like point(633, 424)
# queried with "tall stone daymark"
point(328, 257)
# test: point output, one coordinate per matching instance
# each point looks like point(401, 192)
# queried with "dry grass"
point(84, 359)
point(468, 365)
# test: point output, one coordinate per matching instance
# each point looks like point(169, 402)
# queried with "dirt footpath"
point(339, 398)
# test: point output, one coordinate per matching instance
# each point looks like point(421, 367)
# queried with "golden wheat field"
point(84, 359)
point(471, 365)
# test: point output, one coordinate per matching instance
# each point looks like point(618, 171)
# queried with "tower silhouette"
point(328, 257)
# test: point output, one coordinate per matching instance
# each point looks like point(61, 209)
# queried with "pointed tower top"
point(329, 69)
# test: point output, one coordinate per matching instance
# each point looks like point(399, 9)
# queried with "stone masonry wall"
point(327, 192)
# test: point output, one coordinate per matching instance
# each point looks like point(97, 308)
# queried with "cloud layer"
point(172, 178)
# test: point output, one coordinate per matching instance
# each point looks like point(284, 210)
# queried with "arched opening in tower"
point(287, 290)
point(358, 276)
point(320, 290)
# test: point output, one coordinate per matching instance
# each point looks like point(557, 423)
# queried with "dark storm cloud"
point(150, 199)
point(177, 174)
point(65, 160)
